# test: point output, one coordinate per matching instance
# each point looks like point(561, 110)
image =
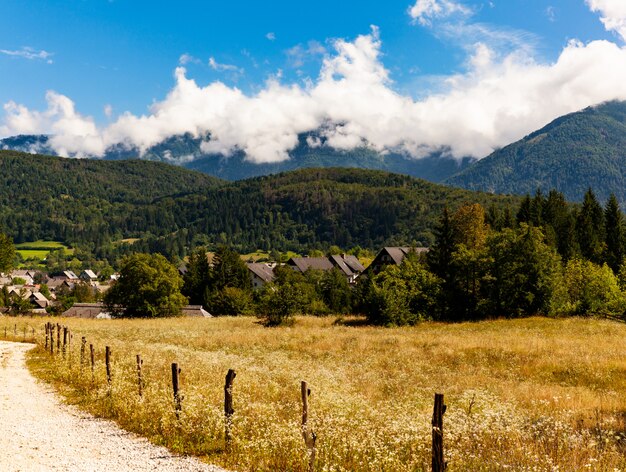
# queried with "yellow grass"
point(531, 394)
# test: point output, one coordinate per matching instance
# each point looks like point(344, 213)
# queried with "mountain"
point(185, 150)
point(574, 152)
point(93, 205)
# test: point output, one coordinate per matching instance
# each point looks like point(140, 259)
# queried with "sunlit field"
point(530, 394)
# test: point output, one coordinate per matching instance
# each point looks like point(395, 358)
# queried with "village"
point(35, 292)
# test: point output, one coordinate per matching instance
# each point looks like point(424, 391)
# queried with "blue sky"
point(108, 57)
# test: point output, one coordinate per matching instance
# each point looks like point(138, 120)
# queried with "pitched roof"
point(305, 263)
point(70, 275)
point(262, 271)
point(89, 273)
point(341, 265)
point(354, 263)
point(196, 310)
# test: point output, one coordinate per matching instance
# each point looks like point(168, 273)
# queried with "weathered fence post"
point(177, 399)
point(51, 338)
point(47, 330)
point(139, 379)
point(93, 362)
point(64, 340)
point(107, 360)
point(58, 337)
point(228, 408)
point(438, 463)
point(83, 342)
point(308, 436)
point(5, 332)
point(15, 330)
point(24, 334)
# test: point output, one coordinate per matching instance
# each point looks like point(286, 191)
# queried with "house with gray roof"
point(260, 274)
point(391, 255)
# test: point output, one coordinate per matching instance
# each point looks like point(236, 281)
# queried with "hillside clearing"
point(527, 394)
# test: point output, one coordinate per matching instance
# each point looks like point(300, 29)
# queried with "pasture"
point(526, 394)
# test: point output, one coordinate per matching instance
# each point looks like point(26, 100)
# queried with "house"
point(69, 275)
point(348, 265)
point(87, 310)
point(196, 310)
point(25, 275)
point(36, 298)
point(98, 311)
point(391, 255)
point(260, 274)
point(88, 276)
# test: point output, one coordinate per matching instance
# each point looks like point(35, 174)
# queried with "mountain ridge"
point(570, 154)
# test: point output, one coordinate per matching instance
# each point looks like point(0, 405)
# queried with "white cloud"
point(108, 110)
point(299, 54)
point(424, 11)
point(271, 36)
point(223, 67)
point(188, 59)
point(613, 14)
point(497, 100)
point(29, 53)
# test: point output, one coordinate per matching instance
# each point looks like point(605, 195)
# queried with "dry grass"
point(532, 394)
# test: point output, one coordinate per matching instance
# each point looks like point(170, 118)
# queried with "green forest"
point(94, 206)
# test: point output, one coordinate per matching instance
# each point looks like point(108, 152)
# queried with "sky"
point(411, 76)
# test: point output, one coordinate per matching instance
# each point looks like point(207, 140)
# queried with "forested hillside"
point(575, 152)
point(93, 204)
point(83, 201)
point(186, 150)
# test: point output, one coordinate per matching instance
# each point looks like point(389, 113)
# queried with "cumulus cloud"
point(271, 36)
point(613, 14)
point(424, 11)
point(498, 99)
point(29, 53)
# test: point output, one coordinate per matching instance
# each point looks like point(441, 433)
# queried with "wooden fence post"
point(24, 334)
point(5, 332)
point(15, 330)
point(47, 330)
point(438, 463)
point(58, 337)
point(139, 379)
point(83, 341)
point(51, 338)
point(177, 399)
point(107, 360)
point(308, 436)
point(228, 408)
point(64, 340)
point(93, 362)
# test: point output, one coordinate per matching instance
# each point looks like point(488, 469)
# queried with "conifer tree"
point(524, 214)
point(614, 230)
point(590, 229)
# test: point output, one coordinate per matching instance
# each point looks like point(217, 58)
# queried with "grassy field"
point(38, 250)
point(532, 394)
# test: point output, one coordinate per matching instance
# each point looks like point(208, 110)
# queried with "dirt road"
point(39, 433)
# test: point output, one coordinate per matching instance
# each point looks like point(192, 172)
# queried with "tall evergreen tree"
point(524, 213)
point(590, 228)
point(614, 231)
point(197, 278)
point(439, 257)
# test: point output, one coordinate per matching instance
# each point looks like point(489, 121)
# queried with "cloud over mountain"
point(499, 98)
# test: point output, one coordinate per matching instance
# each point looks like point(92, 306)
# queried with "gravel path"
point(39, 433)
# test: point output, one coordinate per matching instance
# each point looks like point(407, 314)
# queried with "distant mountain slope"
point(91, 204)
point(574, 152)
point(186, 151)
